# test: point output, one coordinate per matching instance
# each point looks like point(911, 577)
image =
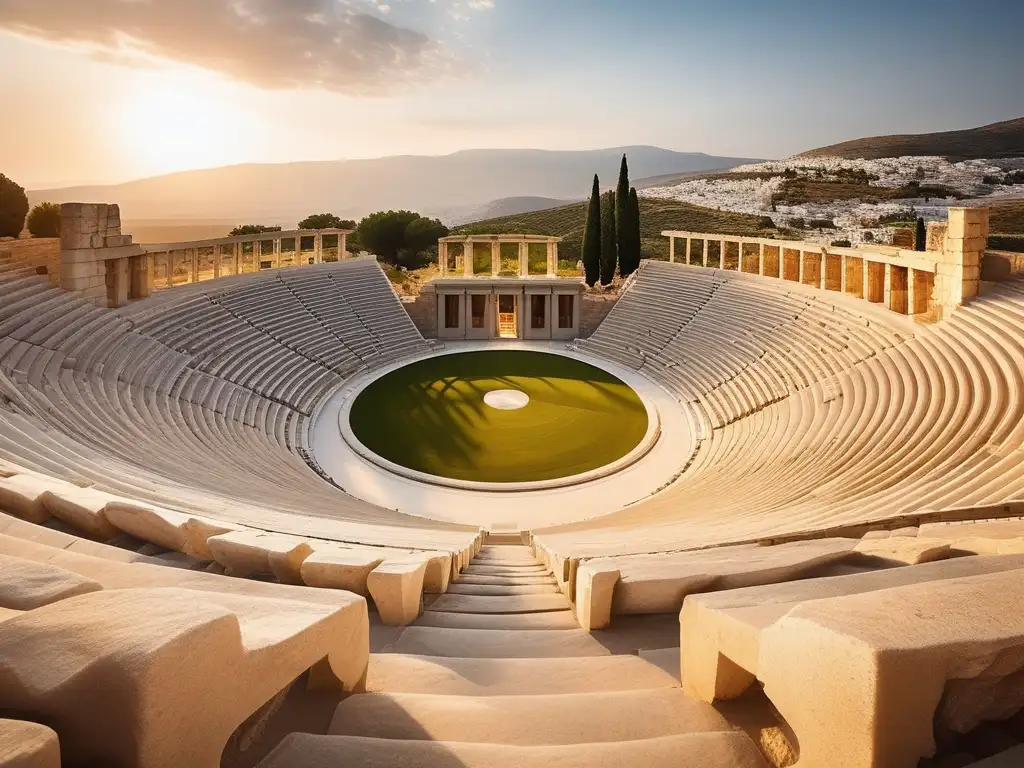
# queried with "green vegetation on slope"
point(1007, 218)
point(656, 216)
point(1004, 139)
point(430, 416)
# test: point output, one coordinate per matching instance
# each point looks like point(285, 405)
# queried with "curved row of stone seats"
point(866, 667)
point(26, 744)
point(87, 414)
point(395, 578)
point(289, 337)
point(733, 343)
point(178, 669)
point(863, 449)
point(660, 583)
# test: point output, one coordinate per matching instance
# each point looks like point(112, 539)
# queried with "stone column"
point(823, 269)
point(760, 259)
point(216, 261)
point(524, 259)
point(552, 259)
point(467, 258)
point(887, 289)
point(842, 274)
point(671, 249)
point(958, 271)
point(495, 258)
point(706, 246)
point(342, 247)
point(238, 257)
point(318, 248)
point(170, 269)
point(686, 260)
point(442, 257)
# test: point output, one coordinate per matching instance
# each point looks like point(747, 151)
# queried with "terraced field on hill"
point(656, 216)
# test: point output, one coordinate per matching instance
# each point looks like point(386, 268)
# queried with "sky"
point(102, 91)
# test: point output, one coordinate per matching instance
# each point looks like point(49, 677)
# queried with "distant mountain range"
point(1005, 139)
point(449, 186)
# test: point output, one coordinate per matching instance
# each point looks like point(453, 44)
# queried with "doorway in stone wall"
point(508, 316)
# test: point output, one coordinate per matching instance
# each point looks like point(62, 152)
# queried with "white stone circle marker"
point(506, 399)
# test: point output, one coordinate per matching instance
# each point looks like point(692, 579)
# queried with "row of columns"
point(236, 253)
point(468, 258)
point(903, 289)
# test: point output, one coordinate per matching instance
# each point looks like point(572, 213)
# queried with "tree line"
point(42, 221)
point(611, 236)
point(400, 238)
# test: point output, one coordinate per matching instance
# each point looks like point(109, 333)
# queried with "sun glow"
point(172, 121)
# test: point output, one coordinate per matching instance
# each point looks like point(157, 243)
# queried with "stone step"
point(476, 578)
point(462, 588)
point(707, 750)
point(401, 673)
point(505, 549)
point(504, 539)
point(501, 604)
point(526, 721)
point(496, 559)
point(513, 621)
point(504, 570)
point(498, 644)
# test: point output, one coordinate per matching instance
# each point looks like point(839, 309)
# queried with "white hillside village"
point(754, 188)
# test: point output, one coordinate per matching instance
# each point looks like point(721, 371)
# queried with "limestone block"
point(983, 546)
point(721, 632)
point(97, 241)
point(335, 568)
point(26, 585)
point(149, 523)
point(177, 671)
point(659, 583)
point(22, 496)
point(910, 551)
point(438, 573)
point(82, 509)
point(595, 587)
point(172, 530)
point(990, 529)
point(28, 745)
point(397, 590)
point(250, 553)
point(842, 670)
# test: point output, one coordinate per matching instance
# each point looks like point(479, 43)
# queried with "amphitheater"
point(808, 552)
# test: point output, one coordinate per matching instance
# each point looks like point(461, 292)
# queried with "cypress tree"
point(622, 226)
point(920, 236)
point(592, 237)
point(609, 245)
point(631, 237)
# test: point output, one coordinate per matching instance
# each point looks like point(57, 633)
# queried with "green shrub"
point(13, 207)
point(44, 220)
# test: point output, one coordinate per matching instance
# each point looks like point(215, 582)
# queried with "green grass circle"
point(430, 416)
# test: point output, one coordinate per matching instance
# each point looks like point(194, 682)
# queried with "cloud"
point(336, 45)
point(481, 5)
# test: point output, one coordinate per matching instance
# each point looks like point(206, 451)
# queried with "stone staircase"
point(496, 673)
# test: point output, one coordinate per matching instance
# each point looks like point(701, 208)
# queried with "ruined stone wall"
point(594, 310)
point(95, 258)
point(422, 311)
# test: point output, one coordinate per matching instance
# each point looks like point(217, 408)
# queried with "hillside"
point(284, 193)
point(656, 216)
point(1005, 139)
point(1007, 218)
point(506, 206)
